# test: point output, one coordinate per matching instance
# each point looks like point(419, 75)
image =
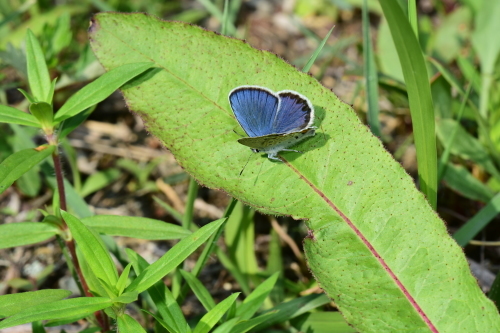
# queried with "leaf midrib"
point(370, 247)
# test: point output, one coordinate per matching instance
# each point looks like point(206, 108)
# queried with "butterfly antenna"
point(245, 164)
point(323, 132)
point(238, 133)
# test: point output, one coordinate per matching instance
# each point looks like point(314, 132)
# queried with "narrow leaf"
point(127, 324)
point(38, 73)
point(14, 303)
point(290, 309)
point(322, 322)
point(99, 180)
point(25, 233)
point(254, 301)
point(173, 257)
point(419, 96)
point(199, 290)
point(137, 227)
point(165, 302)
point(465, 145)
point(462, 181)
point(100, 89)
point(57, 309)
point(18, 163)
point(469, 230)
point(316, 52)
point(93, 250)
point(15, 116)
point(122, 281)
point(209, 320)
point(371, 76)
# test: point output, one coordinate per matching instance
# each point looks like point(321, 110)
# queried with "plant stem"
point(70, 244)
point(60, 180)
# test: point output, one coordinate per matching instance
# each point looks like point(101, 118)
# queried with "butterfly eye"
point(255, 150)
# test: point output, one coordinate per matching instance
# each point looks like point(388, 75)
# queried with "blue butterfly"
point(273, 121)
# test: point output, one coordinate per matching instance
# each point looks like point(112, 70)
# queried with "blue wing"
point(295, 113)
point(255, 109)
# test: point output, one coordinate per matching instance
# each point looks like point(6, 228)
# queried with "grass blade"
point(470, 229)
point(419, 96)
point(316, 53)
point(370, 75)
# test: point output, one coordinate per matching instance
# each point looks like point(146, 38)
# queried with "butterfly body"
point(273, 121)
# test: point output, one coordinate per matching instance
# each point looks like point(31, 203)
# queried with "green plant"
point(373, 242)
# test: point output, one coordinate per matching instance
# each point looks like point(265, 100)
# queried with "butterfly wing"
point(295, 113)
point(255, 109)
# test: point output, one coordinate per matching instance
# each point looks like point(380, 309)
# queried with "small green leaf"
point(100, 89)
point(209, 320)
point(27, 95)
point(95, 253)
point(247, 325)
point(15, 116)
point(57, 309)
point(322, 322)
point(69, 125)
point(291, 309)
point(127, 324)
point(199, 290)
point(173, 257)
point(227, 326)
point(166, 304)
point(122, 281)
point(254, 301)
point(38, 73)
point(43, 112)
point(99, 180)
point(137, 227)
point(469, 230)
point(465, 145)
point(14, 303)
point(462, 181)
point(161, 321)
point(18, 163)
point(25, 233)
point(126, 298)
point(51, 92)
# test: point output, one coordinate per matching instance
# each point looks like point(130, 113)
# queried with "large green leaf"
point(375, 245)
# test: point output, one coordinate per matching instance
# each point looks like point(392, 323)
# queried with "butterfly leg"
point(297, 151)
point(273, 156)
